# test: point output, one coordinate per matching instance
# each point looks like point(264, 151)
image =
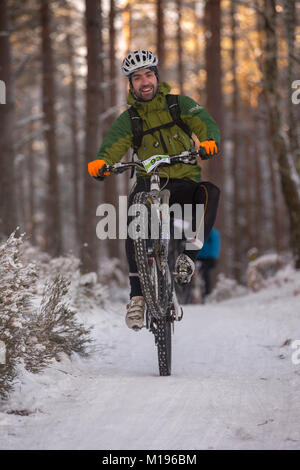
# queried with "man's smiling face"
point(144, 84)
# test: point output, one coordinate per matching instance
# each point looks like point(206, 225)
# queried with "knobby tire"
point(154, 285)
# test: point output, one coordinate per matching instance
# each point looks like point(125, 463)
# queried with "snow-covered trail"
point(233, 386)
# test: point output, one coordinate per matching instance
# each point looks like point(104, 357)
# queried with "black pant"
point(205, 269)
point(181, 192)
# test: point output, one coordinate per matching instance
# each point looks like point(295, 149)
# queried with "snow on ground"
point(234, 385)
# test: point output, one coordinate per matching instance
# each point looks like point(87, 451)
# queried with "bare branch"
point(30, 137)
point(111, 112)
point(292, 56)
point(109, 83)
point(23, 64)
point(34, 117)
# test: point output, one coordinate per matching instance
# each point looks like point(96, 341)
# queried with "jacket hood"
point(158, 101)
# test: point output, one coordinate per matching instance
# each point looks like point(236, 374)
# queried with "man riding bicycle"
point(160, 123)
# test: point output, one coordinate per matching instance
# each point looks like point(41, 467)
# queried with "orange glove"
point(210, 147)
point(95, 168)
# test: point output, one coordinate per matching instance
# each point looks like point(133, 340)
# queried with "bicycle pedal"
point(180, 280)
point(137, 328)
point(175, 315)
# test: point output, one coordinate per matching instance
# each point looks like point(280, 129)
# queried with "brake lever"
point(204, 156)
point(101, 176)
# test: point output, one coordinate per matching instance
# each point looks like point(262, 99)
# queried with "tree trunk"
point(127, 25)
point(258, 209)
point(213, 169)
point(127, 32)
point(112, 197)
point(160, 36)
point(275, 204)
point(53, 220)
point(196, 31)
point(31, 228)
point(180, 67)
point(293, 125)
point(89, 246)
point(290, 180)
point(8, 219)
point(75, 154)
point(214, 98)
point(236, 259)
point(112, 56)
point(213, 87)
point(248, 174)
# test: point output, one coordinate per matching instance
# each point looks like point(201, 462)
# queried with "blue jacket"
point(211, 248)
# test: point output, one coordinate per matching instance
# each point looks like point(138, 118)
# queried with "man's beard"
point(140, 96)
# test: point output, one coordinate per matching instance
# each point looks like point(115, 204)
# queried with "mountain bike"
point(152, 251)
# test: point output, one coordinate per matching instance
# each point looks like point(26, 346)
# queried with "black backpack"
point(137, 123)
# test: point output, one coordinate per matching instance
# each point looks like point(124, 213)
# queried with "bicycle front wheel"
point(164, 346)
point(153, 278)
point(156, 287)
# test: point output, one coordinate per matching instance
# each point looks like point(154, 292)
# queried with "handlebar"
point(157, 161)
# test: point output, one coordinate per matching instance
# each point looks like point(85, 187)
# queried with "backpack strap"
point(137, 128)
point(174, 110)
point(137, 131)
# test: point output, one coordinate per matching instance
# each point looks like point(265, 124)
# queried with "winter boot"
point(135, 313)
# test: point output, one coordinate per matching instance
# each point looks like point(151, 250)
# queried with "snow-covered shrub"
point(49, 268)
point(226, 288)
point(90, 292)
point(34, 336)
point(84, 292)
point(41, 259)
point(112, 275)
point(287, 274)
point(263, 269)
point(54, 329)
point(110, 272)
point(65, 266)
point(16, 281)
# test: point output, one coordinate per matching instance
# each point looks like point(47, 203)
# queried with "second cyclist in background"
point(207, 259)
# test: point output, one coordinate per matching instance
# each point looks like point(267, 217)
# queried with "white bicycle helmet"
point(137, 60)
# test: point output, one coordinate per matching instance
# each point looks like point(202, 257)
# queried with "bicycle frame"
point(161, 205)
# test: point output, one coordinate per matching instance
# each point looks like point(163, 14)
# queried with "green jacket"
point(154, 113)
